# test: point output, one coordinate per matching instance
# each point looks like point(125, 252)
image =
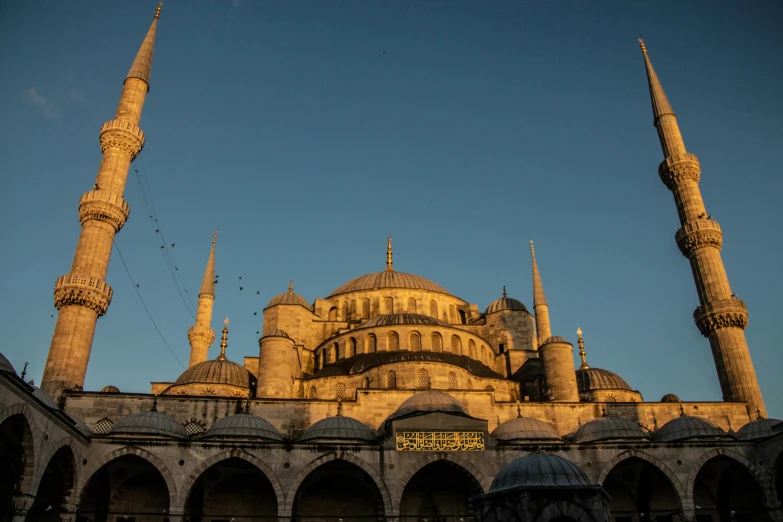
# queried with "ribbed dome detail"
point(216, 371)
point(110, 389)
point(688, 427)
point(554, 339)
point(338, 428)
point(5, 365)
point(670, 397)
point(277, 332)
point(288, 298)
point(540, 470)
point(243, 425)
point(389, 279)
point(525, 429)
point(429, 401)
point(149, 423)
point(81, 425)
point(758, 429)
point(591, 379)
point(608, 428)
point(363, 362)
point(399, 319)
point(505, 303)
point(42, 396)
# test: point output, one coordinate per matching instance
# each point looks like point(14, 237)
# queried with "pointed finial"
point(519, 410)
point(290, 286)
point(728, 421)
point(758, 414)
point(532, 248)
point(24, 370)
point(224, 341)
point(603, 410)
point(247, 404)
point(214, 238)
point(389, 261)
point(641, 44)
point(154, 404)
point(504, 292)
point(682, 411)
point(655, 423)
point(157, 11)
point(584, 365)
point(339, 408)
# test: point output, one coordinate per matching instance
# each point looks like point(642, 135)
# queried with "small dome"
point(110, 389)
point(608, 427)
point(554, 339)
point(758, 429)
point(389, 279)
point(591, 379)
point(276, 332)
point(688, 427)
point(5, 365)
point(505, 303)
point(216, 371)
point(525, 429)
point(540, 470)
point(243, 425)
point(429, 401)
point(338, 428)
point(149, 423)
point(398, 319)
point(81, 426)
point(670, 397)
point(42, 396)
point(288, 298)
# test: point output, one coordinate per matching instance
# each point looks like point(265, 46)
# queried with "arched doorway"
point(232, 489)
point(56, 485)
point(338, 489)
point(641, 491)
point(16, 446)
point(439, 490)
point(725, 491)
point(127, 488)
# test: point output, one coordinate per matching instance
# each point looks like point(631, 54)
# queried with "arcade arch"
point(439, 490)
point(16, 458)
point(727, 491)
point(55, 487)
point(639, 489)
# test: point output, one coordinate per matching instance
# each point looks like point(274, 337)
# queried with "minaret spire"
point(83, 295)
point(540, 307)
point(721, 317)
point(223, 341)
point(201, 335)
point(582, 353)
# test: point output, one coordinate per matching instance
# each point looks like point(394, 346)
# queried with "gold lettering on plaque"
point(440, 440)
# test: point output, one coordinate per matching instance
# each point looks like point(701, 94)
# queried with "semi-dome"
point(525, 429)
point(110, 389)
point(670, 397)
point(363, 362)
point(686, 427)
point(42, 396)
point(217, 371)
point(288, 298)
point(505, 303)
point(276, 332)
point(608, 427)
point(5, 365)
point(399, 319)
point(540, 470)
point(243, 425)
point(590, 379)
point(429, 401)
point(389, 279)
point(338, 428)
point(758, 429)
point(149, 423)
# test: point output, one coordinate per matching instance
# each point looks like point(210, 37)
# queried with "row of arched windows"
point(364, 306)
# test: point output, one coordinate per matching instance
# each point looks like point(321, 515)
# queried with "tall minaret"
point(82, 296)
point(721, 317)
point(201, 334)
point(541, 309)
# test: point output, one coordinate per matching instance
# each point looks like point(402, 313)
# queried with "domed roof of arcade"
point(338, 428)
point(148, 423)
point(609, 427)
point(689, 427)
point(539, 470)
point(429, 401)
point(243, 425)
point(5, 365)
point(758, 429)
point(525, 429)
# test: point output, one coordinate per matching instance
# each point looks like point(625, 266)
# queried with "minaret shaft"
point(721, 317)
point(201, 335)
point(83, 295)
point(540, 306)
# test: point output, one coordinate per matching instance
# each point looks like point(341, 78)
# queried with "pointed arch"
point(27, 442)
point(372, 344)
point(393, 342)
point(754, 471)
point(46, 456)
point(365, 308)
point(414, 342)
point(434, 308)
point(675, 482)
point(55, 480)
point(411, 305)
point(437, 342)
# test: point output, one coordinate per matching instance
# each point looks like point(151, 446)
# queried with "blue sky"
point(307, 132)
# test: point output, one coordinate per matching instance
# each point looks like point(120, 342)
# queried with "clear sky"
point(307, 132)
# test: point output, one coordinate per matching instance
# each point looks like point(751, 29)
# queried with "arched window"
point(391, 379)
point(333, 313)
point(463, 318)
point(372, 343)
point(339, 391)
point(415, 342)
point(336, 352)
point(393, 342)
point(452, 381)
point(316, 363)
point(352, 347)
point(366, 382)
point(483, 353)
point(411, 305)
point(422, 379)
point(345, 311)
point(456, 345)
point(313, 393)
point(434, 309)
point(452, 314)
point(437, 342)
point(388, 305)
point(103, 426)
point(193, 428)
point(365, 308)
point(472, 349)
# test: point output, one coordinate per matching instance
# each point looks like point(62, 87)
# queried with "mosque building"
point(390, 399)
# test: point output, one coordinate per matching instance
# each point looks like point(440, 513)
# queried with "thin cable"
point(136, 287)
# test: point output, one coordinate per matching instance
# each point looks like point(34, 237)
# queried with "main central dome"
point(389, 279)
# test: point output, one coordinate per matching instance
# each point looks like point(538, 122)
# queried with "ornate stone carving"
point(122, 134)
point(699, 234)
point(102, 205)
point(201, 335)
point(82, 290)
point(723, 313)
point(674, 169)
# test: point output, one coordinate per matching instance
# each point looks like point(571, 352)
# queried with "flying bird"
point(240, 288)
point(137, 285)
point(172, 245)
point(240, 277)
point(255, 313)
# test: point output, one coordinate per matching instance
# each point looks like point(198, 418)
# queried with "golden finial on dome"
point(519, 410)
point(389, 261)
point(584, 365)
point(504, 292)
point(290, 286)
point(641, 44)
point(157, 11)
point(224, 341)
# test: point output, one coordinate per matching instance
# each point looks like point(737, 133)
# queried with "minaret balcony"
point(721, 313)
point(102, 205)
point(698, 234)
point(200, 334)
point(672, 170)
point(82, 290)
point(122, 134)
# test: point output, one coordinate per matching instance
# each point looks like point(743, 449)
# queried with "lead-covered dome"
point(217, 371)
point(758, 429)
point(400, 319)
point(389, 279)
point(149, 423)
point(5, 365)
point(505, 303)
point(42, 396)
point(670, 397)
point(590, 379)
point(687, 427)
point(110, 389)
point(245, 426)
point(429, 401)
point(338, 428)
point(540, 470)
point(288, 298)
point(609, 427)
point(525, 429)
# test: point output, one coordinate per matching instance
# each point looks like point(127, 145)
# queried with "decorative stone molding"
point(102, 205)
point(699, 234)
point(122, 134)
point(723, 313)
point(201, 335)
point(21, 504)
point(82, 290)
point(675, 169)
